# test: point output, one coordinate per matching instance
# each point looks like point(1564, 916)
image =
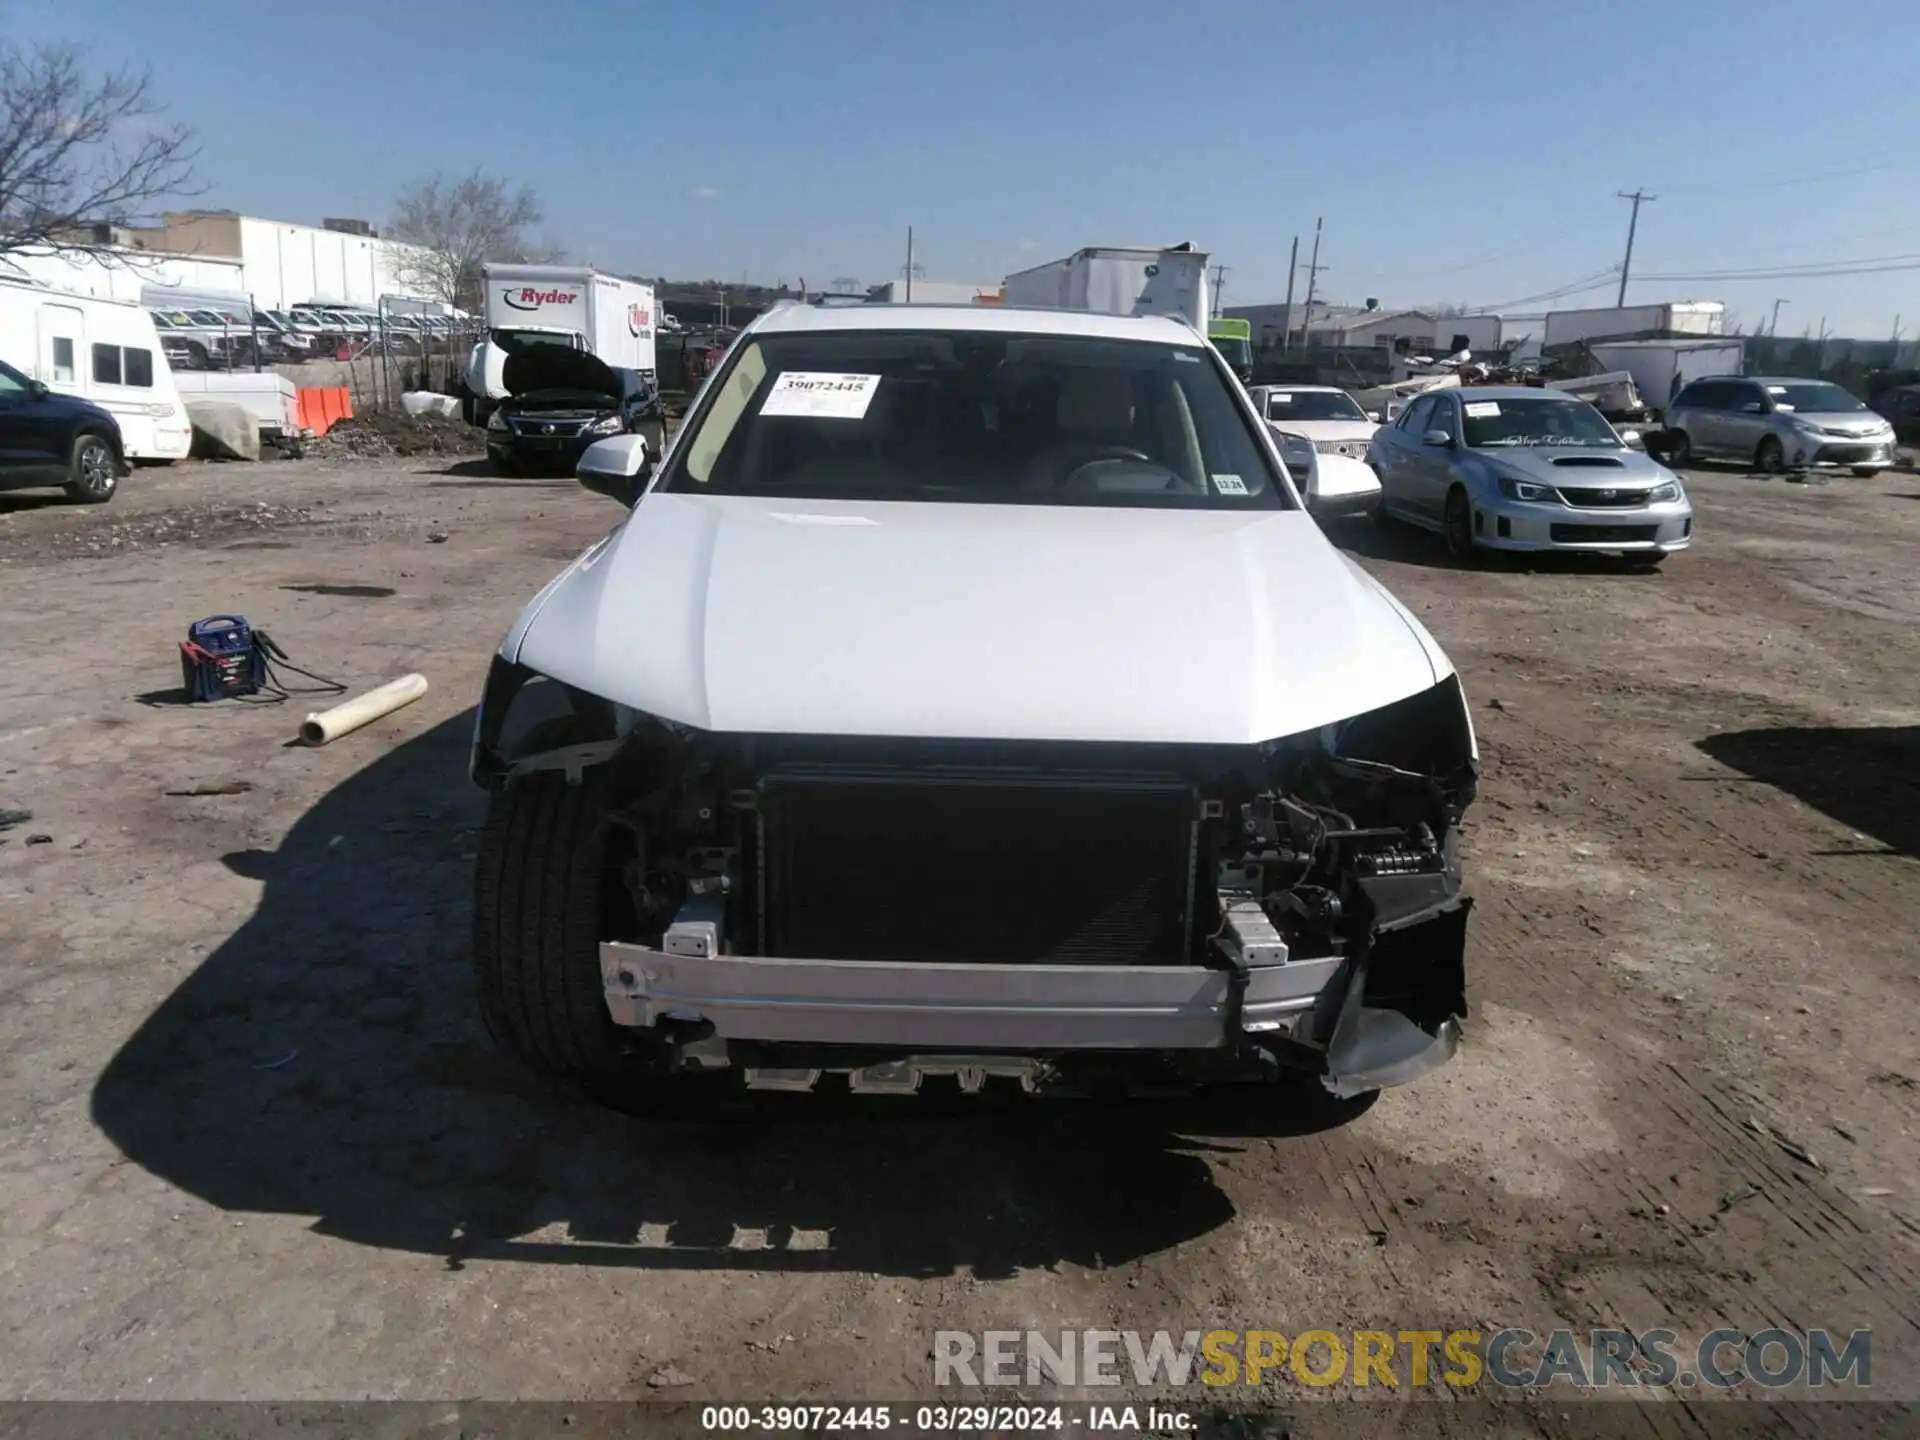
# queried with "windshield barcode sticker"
point(1229, 484)
point(1481, 409)
point(821, 396)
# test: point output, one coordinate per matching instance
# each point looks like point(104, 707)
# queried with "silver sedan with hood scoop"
point(1512, 467)
point(968, 692)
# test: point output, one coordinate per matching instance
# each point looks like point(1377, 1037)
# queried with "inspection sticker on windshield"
point(1776, 389)
point(1229, 484)
point(1481, 409)
point(822, 396)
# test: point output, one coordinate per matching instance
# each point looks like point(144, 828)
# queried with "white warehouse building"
point(1370, 325)
point(276, 263)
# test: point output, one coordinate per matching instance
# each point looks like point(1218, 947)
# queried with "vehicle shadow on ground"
point(1408, 545)
point(480, 468)
point(20, 502)
point(1866, 778)
point(327, 1060)
point(494, 482)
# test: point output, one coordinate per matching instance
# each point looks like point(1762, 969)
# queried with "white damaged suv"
point(968, 693)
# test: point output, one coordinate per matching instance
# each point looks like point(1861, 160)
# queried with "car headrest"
point(1095, 401)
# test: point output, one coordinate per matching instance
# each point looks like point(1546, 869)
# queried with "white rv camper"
point(106, 351)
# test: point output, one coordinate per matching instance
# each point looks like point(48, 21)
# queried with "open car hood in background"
point(555, 367)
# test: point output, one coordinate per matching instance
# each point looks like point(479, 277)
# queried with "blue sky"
point(1458, 151)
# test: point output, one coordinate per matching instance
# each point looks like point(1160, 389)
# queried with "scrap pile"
point(379, 434)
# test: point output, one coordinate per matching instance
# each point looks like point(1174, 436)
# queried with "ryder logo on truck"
point(526, 297)
point(639, 320)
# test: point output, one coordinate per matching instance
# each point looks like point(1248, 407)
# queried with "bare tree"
point(462, 224)
point(76, 149)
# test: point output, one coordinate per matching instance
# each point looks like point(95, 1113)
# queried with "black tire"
point(1770, 456)
point(1379, 514)
point(95, 470)
point(503, 466)
point(1459, 526)
point(1678, 448)
point(1647, 560)
point(1866, 472)
point(537, 909)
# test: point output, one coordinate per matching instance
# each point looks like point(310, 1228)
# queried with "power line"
point(1823, 177)
point(1820, 242)
point(1585, 283)
point(1734, 277)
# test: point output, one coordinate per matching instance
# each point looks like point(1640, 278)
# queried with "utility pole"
point(1314, 267)
point(1774, 328)
point(1219, 287)
point(909, 264)
point(1626, 266)
point(1293, 268)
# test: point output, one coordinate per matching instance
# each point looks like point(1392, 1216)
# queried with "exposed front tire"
point(537, 913)
point(1770, 457)
point(94, 471)
point(1866, 472)
point(1678, 449)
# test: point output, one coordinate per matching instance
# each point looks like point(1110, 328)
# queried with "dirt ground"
point(253, 1143)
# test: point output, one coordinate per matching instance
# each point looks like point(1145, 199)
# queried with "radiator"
point(916, 868)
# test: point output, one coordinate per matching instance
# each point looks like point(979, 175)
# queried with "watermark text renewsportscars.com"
point(1513, 1358)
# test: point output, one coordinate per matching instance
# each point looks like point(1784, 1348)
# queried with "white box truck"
point(1635, 322)
point(1120, 280)
point(610, 318)
point(1660, 367)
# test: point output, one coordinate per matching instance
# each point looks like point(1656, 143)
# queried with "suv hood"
point(975, 621)
point(554, 367)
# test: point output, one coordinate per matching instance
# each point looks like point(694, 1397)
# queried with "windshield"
point(976, 417)
point(514, 341)
point(1527, 420)
point(1236, 350)
point(1313, 405)
point(1815, 397)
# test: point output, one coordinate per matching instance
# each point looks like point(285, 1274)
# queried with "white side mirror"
point(1374, 416)
point(617, 466)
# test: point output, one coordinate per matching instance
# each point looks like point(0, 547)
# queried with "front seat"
point(1093, 414)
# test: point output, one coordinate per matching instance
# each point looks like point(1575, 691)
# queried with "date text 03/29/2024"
point(918, 1418)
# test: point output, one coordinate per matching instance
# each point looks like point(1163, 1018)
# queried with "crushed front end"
point(1048, 912)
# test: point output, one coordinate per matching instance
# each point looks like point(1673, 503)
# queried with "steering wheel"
point(1082, 456)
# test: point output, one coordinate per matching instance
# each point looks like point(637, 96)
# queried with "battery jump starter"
point(225, 658)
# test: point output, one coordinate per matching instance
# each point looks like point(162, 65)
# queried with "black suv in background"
point(49, 439)
point(559, 401)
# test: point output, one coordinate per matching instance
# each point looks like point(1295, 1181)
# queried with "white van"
point(106, 351)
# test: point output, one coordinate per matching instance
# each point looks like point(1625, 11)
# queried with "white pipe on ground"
point(326, 725)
